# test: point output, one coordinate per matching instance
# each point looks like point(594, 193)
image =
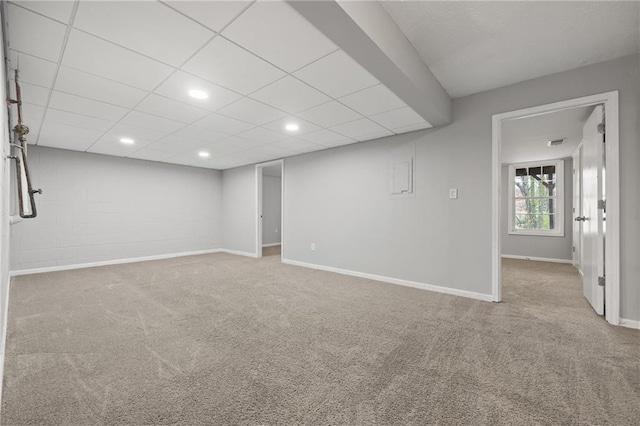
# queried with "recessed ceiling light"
point(198, 94)
point(203, 154)
point(292, 127)
point(127, 141)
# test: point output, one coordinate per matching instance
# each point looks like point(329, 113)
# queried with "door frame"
point(577, 177)
point(259, 174)
point(612, 185)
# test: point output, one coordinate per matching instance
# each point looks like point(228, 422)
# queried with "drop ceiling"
point(94, 73)
point(526, 139)
point(473, 46)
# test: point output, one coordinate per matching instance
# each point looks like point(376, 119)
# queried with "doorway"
point(610, 186)
point(269, 207)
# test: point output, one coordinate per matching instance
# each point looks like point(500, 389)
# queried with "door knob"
point(580, 219)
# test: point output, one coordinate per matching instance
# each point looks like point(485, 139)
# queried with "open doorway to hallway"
point(537, 207)
point(269, 209)
point(549, 193)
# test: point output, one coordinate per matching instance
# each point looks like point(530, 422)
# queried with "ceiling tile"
point(137, 133)
point(217, 151)
point(179, 84)
point(251, 111)
point(32, 70)
point(30, 113)
point(237, 143)
point(396, 118)
point(58, 10)
point(79, 105)
point(45, 43)
point(223, 124)
point(94, 87)
point(326, 138)
point(277, 33)
point(268, 152)
point(148, 121)
point(93, 55)
point(341, 142)
point(150, 155)
point(77, 120)
point(142, 26)
point(291, 95)
point(298, 145)
point(212, 14)
point(230, 66)
point(170, 149)
point(201, 134)
point(31, 93)
point(67, 137)
point(374, 100)
point(110, 144)
point(329, 114)
point(413, 127)
point(336, 75)
point(175, 144)
point(361, 130)
point(168, 108)
point(303, 126)
point(190, 158)
point(260, 134)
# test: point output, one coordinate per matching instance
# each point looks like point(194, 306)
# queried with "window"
point(536, 198)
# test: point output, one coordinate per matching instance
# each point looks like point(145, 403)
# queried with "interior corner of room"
point(337, 194)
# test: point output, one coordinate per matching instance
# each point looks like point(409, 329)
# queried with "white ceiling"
point(94, 72)
point(473, 46)
point(526, 139)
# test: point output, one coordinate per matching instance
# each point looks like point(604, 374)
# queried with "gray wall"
point(271, 209)
point(338, 198)
point(239, 209)
point(534, 245)
point(99, 208)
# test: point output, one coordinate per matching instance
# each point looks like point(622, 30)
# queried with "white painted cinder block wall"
point(96, 208)
point(4, 219)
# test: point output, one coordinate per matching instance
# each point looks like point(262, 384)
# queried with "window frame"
point(559, 197)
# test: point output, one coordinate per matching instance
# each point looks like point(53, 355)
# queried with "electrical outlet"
point(313, 246)
point(453, 193)
point(276, 230)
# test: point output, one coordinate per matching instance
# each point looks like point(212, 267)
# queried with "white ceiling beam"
point(369, 35)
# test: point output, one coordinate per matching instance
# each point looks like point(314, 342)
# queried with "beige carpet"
point(222, 339)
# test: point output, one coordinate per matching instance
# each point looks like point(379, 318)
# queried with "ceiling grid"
point(98, 100)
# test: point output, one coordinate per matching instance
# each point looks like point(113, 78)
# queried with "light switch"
point(453, 193)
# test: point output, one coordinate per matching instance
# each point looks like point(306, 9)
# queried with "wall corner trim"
point(537, 259)
point(112, 262)
point(239, 253)
point(630, 323)
point(397, 281)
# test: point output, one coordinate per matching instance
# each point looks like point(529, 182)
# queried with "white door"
point(592, 217)
point(577, 208)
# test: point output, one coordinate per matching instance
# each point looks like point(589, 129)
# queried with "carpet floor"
point(227, 340)
point(271, 250)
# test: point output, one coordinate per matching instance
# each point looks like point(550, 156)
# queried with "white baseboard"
point(406, 283)
point(239, 253)
point(630, 323)
point(271, 245)
point(538, 259)
point(112, 262)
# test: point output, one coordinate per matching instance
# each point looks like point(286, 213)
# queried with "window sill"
point(538, 233)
